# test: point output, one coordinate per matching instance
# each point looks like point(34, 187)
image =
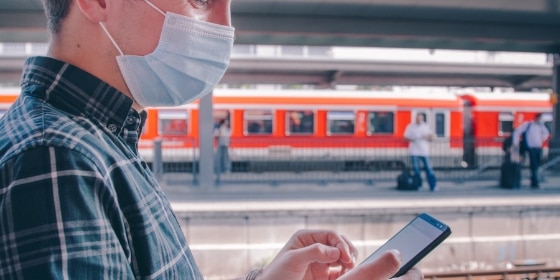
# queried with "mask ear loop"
point(154, 6)
point(111, 38)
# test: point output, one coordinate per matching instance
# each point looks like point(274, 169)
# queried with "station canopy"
point(496, 25)
point(488, 25)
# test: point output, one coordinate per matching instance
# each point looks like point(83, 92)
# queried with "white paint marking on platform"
point(378, 242)
point(380, 203)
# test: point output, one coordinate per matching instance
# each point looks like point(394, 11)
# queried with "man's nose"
point(221, 15)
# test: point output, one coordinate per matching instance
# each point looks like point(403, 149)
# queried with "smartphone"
point(414, 241)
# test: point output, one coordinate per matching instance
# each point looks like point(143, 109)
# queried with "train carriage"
point(497, 114)
point(319, 129)
point(491, 117)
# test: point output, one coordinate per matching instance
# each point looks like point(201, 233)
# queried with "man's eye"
point(201, 2)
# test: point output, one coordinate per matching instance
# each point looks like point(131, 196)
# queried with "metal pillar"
point(555, 139)
point(157, 162)
point(206, 142)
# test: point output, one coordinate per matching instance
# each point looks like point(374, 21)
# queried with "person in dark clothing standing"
point(529, 138)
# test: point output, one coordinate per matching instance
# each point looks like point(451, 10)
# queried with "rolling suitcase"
point(510, 170)
point(510, 175)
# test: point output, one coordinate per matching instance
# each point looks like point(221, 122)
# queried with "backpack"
point(523, 146)
point(408, 180)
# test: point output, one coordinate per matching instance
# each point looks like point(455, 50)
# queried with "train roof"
point(337, 98)
point(320, 93)
point(510, 99)
point(510, 95)
point(270, 98)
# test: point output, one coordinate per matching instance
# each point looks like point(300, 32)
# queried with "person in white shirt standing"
point(419, 135)
point(536, 134)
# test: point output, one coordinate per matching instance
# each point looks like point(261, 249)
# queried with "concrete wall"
point(229, 242)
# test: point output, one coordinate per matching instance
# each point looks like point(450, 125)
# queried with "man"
point(76, 200)
point(419, 135)
point(534, 134)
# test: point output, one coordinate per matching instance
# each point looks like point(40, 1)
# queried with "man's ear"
point(94, 10)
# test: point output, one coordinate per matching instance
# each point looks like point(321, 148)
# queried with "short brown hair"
point(56, 10)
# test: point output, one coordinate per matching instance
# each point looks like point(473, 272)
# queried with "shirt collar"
point(75, 91)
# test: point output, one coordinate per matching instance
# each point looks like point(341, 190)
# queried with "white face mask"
point(189, 60)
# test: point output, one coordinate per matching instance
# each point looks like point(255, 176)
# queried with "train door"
point(437, 120)
point(221, 115)
point(547, 119)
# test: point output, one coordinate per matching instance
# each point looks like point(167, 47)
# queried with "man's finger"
point(316, 253)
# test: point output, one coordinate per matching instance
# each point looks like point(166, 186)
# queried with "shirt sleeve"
point(408, 133)
point(59, 219)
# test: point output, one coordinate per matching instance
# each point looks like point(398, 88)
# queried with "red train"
point(353, 128)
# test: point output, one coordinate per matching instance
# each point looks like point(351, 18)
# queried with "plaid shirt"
point(76, 201)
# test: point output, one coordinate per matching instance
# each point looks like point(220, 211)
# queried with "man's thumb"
point(382, 268)
point(387, 265)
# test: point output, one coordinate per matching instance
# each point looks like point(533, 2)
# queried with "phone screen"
point(414, 241)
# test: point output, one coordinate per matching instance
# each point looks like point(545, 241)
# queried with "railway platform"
point(245, 224)
point(179, 191)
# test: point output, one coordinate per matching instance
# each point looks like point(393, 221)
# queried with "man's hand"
point(312, 255)
point(325, 255)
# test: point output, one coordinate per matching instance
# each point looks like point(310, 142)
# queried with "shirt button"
point(112, 127)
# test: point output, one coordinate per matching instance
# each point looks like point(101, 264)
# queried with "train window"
point(292, 50)
point(381, 122)
point(440, 124)
point(340, 122)
point(258, 122)
point(173, 122)
point(505, 123)
point(300, 122)
point(220, 115)
point(244, 49)
point(319, 51)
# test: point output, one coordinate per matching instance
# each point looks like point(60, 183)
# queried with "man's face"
point(419, 118)
point(138, 25)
